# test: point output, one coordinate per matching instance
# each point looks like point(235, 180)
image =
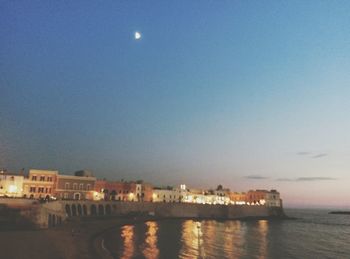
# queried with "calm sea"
point(315, 234)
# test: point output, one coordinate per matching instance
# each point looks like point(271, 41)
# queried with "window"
point(33, 177)
point(66, 186)
point(75, 186)
point(81, 186)
point(49, 179)
point(42, 178)
point(66, 196)
point(32, 189)
point(41, 190)
point(88, 187)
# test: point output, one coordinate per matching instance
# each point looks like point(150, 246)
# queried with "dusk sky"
point(248, 94)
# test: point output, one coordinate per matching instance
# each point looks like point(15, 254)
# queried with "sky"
point(248, 94)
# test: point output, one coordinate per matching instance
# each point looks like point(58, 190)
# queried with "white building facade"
point(11, 185)
point(167, 195)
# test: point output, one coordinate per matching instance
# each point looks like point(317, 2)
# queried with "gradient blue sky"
point(249, 94)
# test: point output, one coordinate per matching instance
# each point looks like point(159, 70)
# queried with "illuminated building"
point(47, 184)
point(264, 197)
point(11, 185)
point(122, 191)
point(40, 184)
point(169, 194)
point(222, 196)
point(238, 198)
point(76, 187)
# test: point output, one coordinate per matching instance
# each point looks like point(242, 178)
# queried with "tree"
point(219, 188)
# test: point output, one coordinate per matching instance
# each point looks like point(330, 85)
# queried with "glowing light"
point(128, 241)
point(137, 35)
point(12, 188)
point(154, 196)
point(151, 250)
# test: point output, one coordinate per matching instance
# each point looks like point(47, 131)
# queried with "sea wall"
point(19, 213)
point(71, 209)
point(55, 213)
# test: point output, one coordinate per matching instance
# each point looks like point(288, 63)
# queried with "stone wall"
point(67, 209)
point(54, 213)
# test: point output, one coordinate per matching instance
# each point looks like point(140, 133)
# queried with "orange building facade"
point(40, 184)
point(122, 191)
point(263, 197)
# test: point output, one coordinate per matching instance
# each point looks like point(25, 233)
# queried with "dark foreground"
point(78, 238)
point(73, 240)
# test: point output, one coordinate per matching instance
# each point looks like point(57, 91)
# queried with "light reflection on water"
point(127, 234)
point(150, 249)
point(233, 239)
point(199, 239)
point(263, 229)
point(315, 235)
point(191, 240)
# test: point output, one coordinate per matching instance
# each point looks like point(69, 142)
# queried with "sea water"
point(314, 234)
